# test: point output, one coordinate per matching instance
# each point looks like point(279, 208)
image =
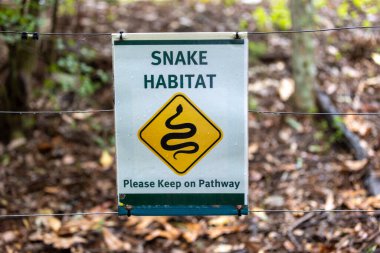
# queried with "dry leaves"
point(376, 58)
point(106, 159)
point(355, 165)
point(57, 241)
point(113, 242)
point(286, 88)
point(192, 231)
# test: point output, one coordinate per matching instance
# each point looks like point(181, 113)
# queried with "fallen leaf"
point(54, 223)
point(68, 160)
point(113, 242)
point(222, 248)
point(52, 189)
point(44, 146)
point(329, 205)
point(289, 246)
point(57, 241)
point(192, 232)
point(81, 116)
point(16, 143)
point(255, 176)
point(355, 165)
point(215, 232)
point(259, 213)
point(147, 221)
point(76, 225)
point(274, 201)
point(376, 58)
point(358, 125)
point(355, 199)
point(253, 148)
point(90, 165)
point(9, 236)
point(294, 124)
point(68, 119)
point(350, 72)
point(221, 221)
point(106, 159)
point(286, 88)
point(161, 233)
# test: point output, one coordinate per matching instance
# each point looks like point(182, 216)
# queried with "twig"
point(298, 223)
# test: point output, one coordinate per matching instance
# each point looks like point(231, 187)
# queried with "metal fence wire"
point(35, 35)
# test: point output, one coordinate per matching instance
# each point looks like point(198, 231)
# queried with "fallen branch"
point(351, 139)
point(371, 182)
point(296, 224)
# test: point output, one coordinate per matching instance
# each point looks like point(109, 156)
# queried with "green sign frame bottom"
point(182, 204)
point(182, 210)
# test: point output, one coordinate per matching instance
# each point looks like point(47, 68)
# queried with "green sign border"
point(178, 42)
point(182, 199)
point(162, 199)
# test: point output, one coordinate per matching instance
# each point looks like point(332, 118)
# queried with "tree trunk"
point(303, 65)
point(17, 76)
point(49, 50)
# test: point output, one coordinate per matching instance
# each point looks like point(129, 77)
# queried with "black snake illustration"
point(186, 135)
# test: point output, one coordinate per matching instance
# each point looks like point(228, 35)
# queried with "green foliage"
point(229, 3)
point(280, 14)
point(343, 9)
point(324, 137)
point(371, 249)
point(12, 18)
point(277, 17)
point(256, 50)
point(294, 123)
point(67, 7)
point(358, 10)
point(261, 18)
point(243, 26)
point(73, 73)
point(252, 103)
point(5, 160)
point(318, 4)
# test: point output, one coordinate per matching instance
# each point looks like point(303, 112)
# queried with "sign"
point(188, 134)
point(181, 123)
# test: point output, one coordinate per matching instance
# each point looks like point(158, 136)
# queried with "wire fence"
point(252, 111)
point(35, 35)
point(345, 28)
point(272, 211)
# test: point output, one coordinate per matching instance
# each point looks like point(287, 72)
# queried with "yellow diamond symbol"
point(180, 134)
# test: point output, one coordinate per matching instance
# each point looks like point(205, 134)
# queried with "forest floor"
point(65, 163)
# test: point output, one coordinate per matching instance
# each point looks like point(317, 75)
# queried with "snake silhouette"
point(173, 136)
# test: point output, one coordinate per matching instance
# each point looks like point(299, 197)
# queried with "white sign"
point(181, 119)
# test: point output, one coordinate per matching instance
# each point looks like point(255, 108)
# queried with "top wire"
point(250, 33)
point(319, 30)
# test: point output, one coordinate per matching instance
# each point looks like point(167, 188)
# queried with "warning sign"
point(180, 134)
point(181, 114)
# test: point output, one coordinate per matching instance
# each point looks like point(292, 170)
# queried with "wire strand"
point(252, 111)
point(345, 28)
point(250, 211)
point(318, 30)
point(314, 211)
point(53, 214)
point(56, 112)
point(318, 113)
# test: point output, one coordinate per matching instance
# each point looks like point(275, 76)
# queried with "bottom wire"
point(250, 211)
